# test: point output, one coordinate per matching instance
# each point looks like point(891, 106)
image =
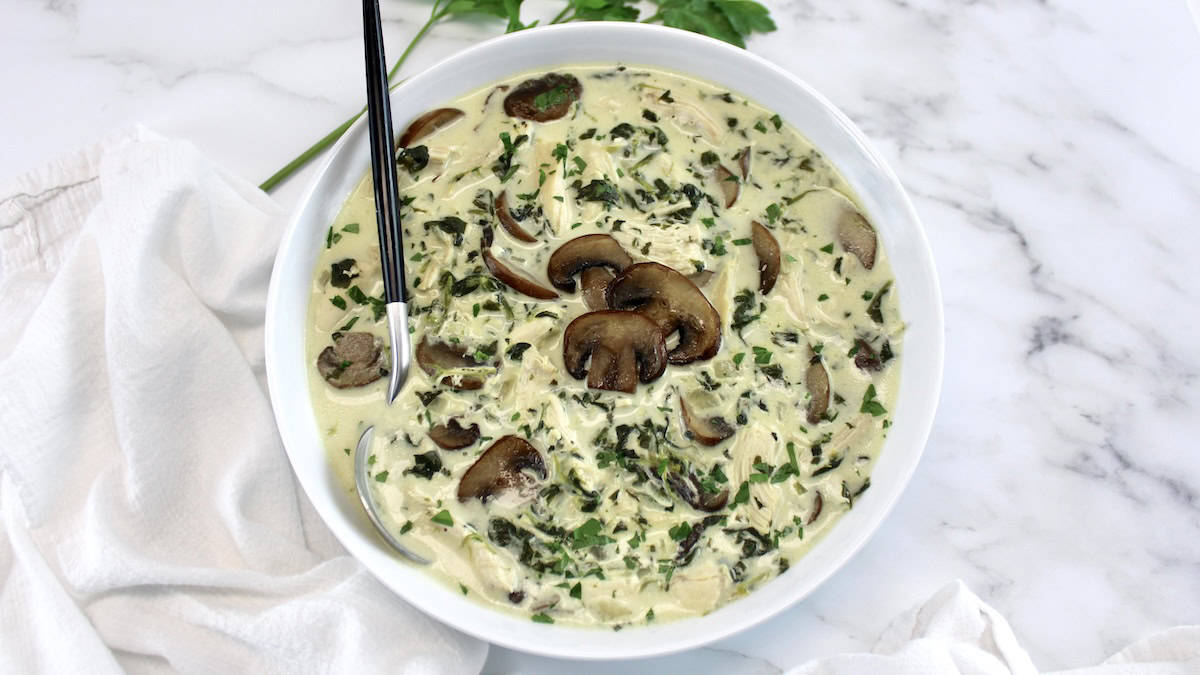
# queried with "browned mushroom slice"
point(506, 220)
point(427, 124)
point(766, 247)
point(818, 503)
point(673, 302)
point(510, 463)
point(544, 98)
point(452, 436)
point(865, 356)
point(354, 359)
point(817, 381)
point(624, 347)
point(828, 208)
point(743, 159)
point(434, 357)
point(731, 187)
point(705, 431)
point(581, 253)
point(857, 236)
point(691, 491)
point(595, 287)
point(701, 278)
point(514, 280)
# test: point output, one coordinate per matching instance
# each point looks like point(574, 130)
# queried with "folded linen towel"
point(956, 633)
point(151, 520)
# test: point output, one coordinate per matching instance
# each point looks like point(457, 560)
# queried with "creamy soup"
point(657, 346)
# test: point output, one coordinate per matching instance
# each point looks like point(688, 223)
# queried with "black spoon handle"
point(383, 161)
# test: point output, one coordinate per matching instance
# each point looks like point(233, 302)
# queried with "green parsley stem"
point(562, 16)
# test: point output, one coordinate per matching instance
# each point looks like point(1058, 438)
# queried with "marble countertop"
point(1053, 152)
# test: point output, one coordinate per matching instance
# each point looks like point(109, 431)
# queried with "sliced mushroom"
point(691, 491)
point(581, 253)
point(766, 247)
point(434, 357)
point(507, 464)
point(515, 280)
point(731, 187)
point(544, 98)
point(624, 347)
point(452, 435)
point(595, 282)
point(865, 357)
point(817, 382)
point(673, 302)
point(857, 236)
point(705, 431)
point(853, 231)
point(427, 124)
point(818, 503)
point(506, 220)
point(354, 359)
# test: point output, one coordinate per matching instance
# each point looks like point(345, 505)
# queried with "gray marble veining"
point(1051, 149)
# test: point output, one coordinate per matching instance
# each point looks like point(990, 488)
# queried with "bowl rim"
point(566, 641)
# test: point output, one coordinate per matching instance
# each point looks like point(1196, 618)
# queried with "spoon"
point(361, 481)
point(391, 250)
point(387, 199)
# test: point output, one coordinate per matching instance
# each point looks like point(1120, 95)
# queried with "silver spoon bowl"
point(367, 497)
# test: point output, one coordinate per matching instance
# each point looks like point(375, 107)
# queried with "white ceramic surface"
point(632, 44)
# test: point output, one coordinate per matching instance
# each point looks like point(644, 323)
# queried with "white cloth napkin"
point(151, 520)
point(956, 633)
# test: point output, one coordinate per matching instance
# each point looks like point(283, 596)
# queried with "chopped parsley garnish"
point(504, 167)
point(413, 159)
point(680, 531)
point(443, 518)
point(550, 98)
point(870, 405)
point(622, 130)
point(773, 213)
point(517, 351)
point(338, 301)
point(744, 308)
point(541, 617)
point(425, 465)
point(381, 477)
point(742, 496)
point(599, 190)
point(589, 534)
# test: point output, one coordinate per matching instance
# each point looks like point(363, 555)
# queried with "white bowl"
point(545, 48)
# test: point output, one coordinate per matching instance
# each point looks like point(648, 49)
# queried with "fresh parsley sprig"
point(728, 20)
